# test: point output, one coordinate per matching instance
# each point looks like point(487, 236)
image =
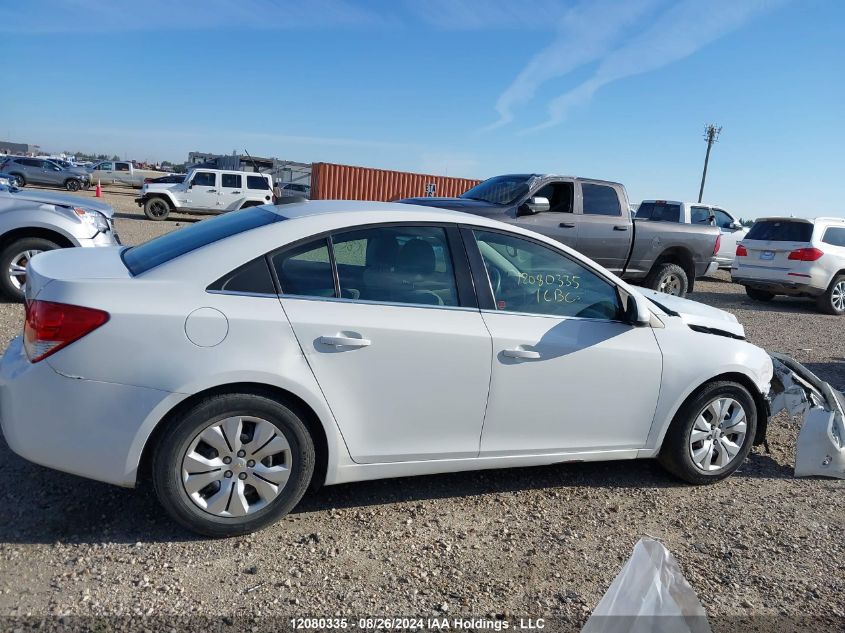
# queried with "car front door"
point(604, 225)
point(103, 173)
point(730, 235)
point(398, 348)
point(559, 222)
point(231, 191)
point(202, 191)
point(569, 375)
point(52, 173)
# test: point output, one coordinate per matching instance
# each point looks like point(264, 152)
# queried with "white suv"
point(794, 256)
point(206, 191)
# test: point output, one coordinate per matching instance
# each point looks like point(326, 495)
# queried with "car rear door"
point(569, 376)
point(395, 341)
point(604, 225)
point(231, 192)
point(123, 173)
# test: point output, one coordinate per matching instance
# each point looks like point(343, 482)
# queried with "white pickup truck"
point(206, 191)
point(730, 227)
point(121, 172)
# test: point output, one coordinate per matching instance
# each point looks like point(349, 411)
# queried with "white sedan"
point(238, 360)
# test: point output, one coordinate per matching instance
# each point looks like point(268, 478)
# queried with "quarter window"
point(204, 179)
point(834, 236)
point(397, 265)
point(251, 278)
point(600, 200)
point(530, 278)
point(257, 182)
point(232, 181)
point(305, 270)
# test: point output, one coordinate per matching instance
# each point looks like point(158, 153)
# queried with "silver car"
point(26, 170)
point(32, 222)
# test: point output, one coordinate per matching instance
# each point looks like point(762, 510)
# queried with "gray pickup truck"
point(592, 217)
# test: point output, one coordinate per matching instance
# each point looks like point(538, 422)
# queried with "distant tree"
point(115, 157)
point(746, 222)
point(102, 157)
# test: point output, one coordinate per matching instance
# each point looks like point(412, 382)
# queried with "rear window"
point(780, 231)
point(659, 212)
point(140, 259)
point(257, 182)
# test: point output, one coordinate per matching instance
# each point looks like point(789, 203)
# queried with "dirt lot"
point(531, 542)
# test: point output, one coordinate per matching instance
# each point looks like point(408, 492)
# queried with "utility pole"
point(711, 135)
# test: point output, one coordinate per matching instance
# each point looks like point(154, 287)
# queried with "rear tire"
point(833, 300)
point(260, 428)
point(668, 278)
point(157, 209)
point(72, 184)
point(689, 457)
point(13, 261)
point(759, 295)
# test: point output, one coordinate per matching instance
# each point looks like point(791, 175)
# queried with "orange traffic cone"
point(98, 192)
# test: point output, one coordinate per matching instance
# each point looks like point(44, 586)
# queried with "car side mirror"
point(57, 168)
point(636, 309)
point(534, 205)
point(736, 226)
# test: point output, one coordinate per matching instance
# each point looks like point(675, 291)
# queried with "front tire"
point(13, 261)
point(18, 181)
point(759, 295)
point(833, 300)
point(233, 464)
point(670, 279)
point(711, 435)
point(157, 209)
point(71, 184)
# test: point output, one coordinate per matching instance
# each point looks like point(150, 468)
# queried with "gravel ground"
point(534, 542)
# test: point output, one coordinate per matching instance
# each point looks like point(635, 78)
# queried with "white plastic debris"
point(650, 595)
point(821, 442)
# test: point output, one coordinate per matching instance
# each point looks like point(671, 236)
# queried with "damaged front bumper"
point(820, 449)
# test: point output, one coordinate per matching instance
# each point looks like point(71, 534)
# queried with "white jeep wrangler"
point(206, 191)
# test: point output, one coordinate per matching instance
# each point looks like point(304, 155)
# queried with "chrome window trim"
point(395, 304)
point(555, 316)
point(241, 293)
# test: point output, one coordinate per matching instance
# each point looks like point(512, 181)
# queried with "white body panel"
point(418, 395)
point(215, 198)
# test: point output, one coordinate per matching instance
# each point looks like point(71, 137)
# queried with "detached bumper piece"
point(821, 442)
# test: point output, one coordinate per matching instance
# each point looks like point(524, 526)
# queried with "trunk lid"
point(68, 265)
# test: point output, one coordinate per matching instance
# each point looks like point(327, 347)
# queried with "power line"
point(711, 135)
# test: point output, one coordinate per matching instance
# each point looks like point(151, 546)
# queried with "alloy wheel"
point(158, 209)
point(236, 466)
point(718, 434)
point(17, 269)
point(670, 285)
point(837, 296)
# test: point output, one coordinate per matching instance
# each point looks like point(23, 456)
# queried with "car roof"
point(393, 211)
point(689, 204)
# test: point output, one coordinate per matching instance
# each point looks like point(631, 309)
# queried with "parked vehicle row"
point(206, 191)
point(33, 222)
point(121, 172)
point(254, 354)
point(24, 170)
point(592, 217)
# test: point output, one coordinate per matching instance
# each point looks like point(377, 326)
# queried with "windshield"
point(500, 189)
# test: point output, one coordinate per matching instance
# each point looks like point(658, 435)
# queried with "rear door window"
point(780, 231)
point(660, 211)
point(835, 236)
point(121, 167)
point(232, 181)
point(600, 200)
point(305, 270)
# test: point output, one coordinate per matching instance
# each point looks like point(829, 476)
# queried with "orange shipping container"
point(345, 182)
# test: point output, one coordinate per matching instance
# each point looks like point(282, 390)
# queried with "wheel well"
point(250, 203)
point(297, 404)
point(160, 196)
point(759, 400)
point(47, 234)
point(680, 257)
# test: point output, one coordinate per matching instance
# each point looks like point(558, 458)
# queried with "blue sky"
point(616, 89)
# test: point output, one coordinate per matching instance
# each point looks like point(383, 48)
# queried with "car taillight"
point(741, 251)
point(806, 254)
point(51, 326)
point(718, 243)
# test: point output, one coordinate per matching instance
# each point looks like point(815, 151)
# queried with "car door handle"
point(344, 341)
point(567, 225)
point(525, 354)
point(212, 191)
point(620, 227)
point(236, 192)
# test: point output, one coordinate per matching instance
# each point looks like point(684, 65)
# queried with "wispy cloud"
point(79, 16)
point(585, 33)
point(623, 39)
point(472, 15)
